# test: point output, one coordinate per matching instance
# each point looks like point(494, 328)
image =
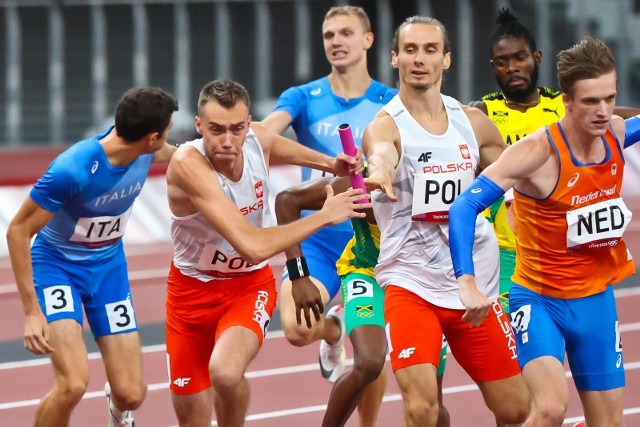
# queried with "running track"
point(287, 389)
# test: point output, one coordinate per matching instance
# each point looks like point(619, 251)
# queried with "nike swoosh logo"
point(325, 373)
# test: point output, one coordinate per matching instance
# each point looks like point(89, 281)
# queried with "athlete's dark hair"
point(143, 110)
point(507, 25)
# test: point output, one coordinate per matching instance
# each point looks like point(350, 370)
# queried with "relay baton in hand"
point(349, 148)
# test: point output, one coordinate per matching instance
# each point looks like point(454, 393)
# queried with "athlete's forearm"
point(19, 243)
point(632, 131)
point(288, 152)
point(462, 220)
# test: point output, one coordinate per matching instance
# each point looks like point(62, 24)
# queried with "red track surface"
point(287, 389)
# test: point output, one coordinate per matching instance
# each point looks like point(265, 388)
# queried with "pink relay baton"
point(349, 148)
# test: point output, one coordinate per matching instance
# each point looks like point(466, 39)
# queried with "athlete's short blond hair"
point(356, 11)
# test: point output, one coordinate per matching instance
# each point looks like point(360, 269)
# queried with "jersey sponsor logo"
point(181, 382)
point(259, 187)
point(316, 91)
point(425, 157)
point(464, 151)
point(94, 168)
point(476, 190)
point(505, 325)
point(573, 181)
point(119, 194)
point(619, 361)
point(579, 200)
point(614, 169)
point(246, 210)
point(406, 353)
point(549, 110)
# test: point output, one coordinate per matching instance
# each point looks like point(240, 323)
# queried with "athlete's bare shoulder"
point(480, 105)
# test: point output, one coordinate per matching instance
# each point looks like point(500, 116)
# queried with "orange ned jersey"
point(569, 244)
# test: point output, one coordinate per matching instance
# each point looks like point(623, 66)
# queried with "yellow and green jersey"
point(361, 253)
point(513, 126)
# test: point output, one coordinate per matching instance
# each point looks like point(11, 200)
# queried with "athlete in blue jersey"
point(315, 110)
point(79, 209)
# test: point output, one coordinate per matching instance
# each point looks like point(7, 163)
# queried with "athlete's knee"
point(368, 367)
point(298, 336)
point(420, 411)
point(129, 396)
point(224, 379)
point(549, 413)
point(69, 392)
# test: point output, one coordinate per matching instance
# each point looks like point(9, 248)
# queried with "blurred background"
point(65, 63)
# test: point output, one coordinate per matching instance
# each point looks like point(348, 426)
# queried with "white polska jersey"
point(199, 250)
point(414, 231)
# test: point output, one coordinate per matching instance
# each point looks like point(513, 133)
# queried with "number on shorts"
point(58, 299)
point(359, 288)
point(520, 318)
point(121, 317)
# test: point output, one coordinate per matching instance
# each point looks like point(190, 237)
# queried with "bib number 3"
point(121, 316)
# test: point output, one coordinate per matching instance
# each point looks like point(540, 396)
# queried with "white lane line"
point(625, 327)
point(274, 372)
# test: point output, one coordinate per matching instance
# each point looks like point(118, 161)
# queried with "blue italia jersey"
point(91, 200)
point(317, 113)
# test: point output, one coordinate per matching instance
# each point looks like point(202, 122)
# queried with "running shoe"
point(333, 357)
point(125, 420)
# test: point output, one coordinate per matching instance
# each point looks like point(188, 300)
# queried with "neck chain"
point(516, 104)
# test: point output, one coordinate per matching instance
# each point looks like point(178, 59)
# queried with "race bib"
point(599, 225)
point(433, 194)
point(58, 299)
point(217, 262)
point(100, 231)
point(121, 316)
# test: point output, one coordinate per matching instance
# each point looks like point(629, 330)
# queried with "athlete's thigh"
point(69, 359)
point(535, 320)
point(122, 355)
point(414, 333)
point(486, 352)
point(110, 308)
point(192, 316)
point(594, 348)
point(253, 306)
point(363, 301)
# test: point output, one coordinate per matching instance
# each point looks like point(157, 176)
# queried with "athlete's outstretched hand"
point(36, 334)
point(343, 206)
point(476, 303)
point(380, 180)
point(307, 298)
point(343, 165)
